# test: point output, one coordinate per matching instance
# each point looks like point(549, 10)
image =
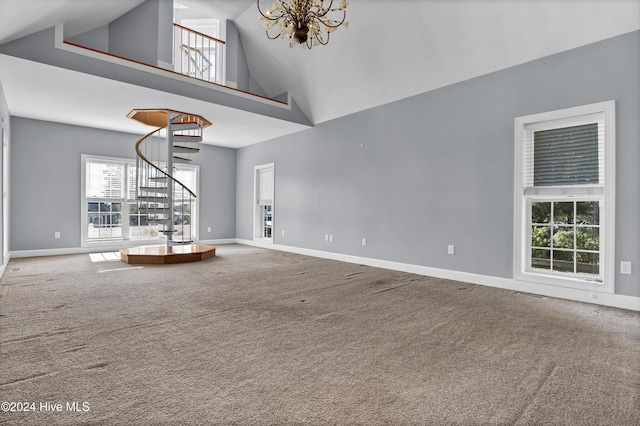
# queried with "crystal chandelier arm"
point(321, 16)
point(288, 10)
point(322, 11)
point(271, 20)
point(318, 36)
point(261, 12)
point(271, 16)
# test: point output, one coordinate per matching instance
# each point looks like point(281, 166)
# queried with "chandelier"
point(304, 22)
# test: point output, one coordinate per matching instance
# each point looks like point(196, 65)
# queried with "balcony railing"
point(198, 55)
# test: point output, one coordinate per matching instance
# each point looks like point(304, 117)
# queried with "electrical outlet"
point(330, 238)
point(326, 237)
point(451, 249)
point(364, 241)
point(625, 268)
point(209, 229)
point(56, 235)
point(283, 232)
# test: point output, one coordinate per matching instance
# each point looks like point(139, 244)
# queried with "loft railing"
point(198, 55)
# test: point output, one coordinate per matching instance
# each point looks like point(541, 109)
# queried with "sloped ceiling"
point(395, 49)
point(392, 49)
point(19, 18)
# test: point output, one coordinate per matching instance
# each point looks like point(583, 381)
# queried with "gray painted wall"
point(237, 69)
point(145, 34)
point(96, 39)
point(134, 35)
point(165, 31)
point(254, 87)
point(435, 169)
point(46, 182)
point(217, 191)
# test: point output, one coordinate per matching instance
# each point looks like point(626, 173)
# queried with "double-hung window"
point(564, 195)
point(109, 209)
point(105, 199)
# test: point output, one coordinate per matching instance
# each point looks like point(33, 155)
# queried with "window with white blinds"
point(560, 154)
point(564, 211)
point(566, 156)
point(188, 178)
point(104, 180)
point(265, 185)
point(109, 210)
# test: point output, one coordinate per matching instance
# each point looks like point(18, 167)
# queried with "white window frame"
point(125, 240)
point(603, 192)
point(257, 214)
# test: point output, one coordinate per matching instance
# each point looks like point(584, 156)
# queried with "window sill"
point(567, 282)
point(122, 243)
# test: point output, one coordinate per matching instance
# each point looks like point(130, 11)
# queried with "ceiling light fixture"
point(304, 22)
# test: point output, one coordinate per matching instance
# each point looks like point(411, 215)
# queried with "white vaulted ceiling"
point(392, 49)
point(396, 49)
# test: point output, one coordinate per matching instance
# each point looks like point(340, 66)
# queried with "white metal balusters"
point(198, 55)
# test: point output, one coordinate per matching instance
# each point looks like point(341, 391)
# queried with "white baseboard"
point(58, 252)
point(219, 241)
point(101, 248)
point(606, 299)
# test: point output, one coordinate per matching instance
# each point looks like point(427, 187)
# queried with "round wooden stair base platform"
point(162, 255)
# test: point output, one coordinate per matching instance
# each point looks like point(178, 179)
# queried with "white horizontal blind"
point(104, 180)
point(187, 177)
point(265, 186)
point(131, 182)
point(565, 155)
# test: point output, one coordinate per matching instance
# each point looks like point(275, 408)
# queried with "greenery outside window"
point(565, 237)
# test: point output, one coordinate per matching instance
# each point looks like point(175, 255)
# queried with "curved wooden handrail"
point(145, 159)
point(217, 40)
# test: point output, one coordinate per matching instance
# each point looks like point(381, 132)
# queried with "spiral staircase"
point(165, 203)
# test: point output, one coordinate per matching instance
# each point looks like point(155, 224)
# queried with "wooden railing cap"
point(158, 117)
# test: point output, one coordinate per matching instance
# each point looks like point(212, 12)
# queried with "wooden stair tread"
point(161, 254)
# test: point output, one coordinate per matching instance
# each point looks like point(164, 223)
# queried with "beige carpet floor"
point(255, 337)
